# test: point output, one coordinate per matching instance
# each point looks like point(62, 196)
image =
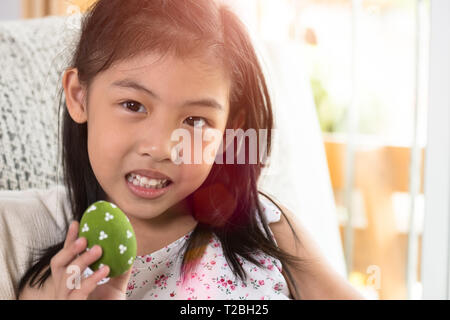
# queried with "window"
point(367, 62)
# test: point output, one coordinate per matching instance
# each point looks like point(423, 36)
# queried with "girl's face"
point(131, 112)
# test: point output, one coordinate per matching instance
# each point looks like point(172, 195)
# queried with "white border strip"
point(435, 250)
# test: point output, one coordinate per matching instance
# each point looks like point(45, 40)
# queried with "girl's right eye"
point(131, 105)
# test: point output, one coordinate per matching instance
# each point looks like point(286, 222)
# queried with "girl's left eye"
point(131, 105)
point(197, 122)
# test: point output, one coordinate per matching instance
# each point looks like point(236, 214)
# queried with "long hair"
point(227, 203)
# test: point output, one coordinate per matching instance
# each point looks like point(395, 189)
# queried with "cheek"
point(194, 169)
point(193, 175)
point(105, 147)
point(202, 147)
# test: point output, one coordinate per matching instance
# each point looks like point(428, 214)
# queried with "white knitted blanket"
point(33, 56)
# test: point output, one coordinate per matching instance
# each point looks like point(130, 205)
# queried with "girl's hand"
point(68, 259)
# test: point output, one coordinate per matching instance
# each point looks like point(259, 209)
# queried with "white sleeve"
point(271, 213)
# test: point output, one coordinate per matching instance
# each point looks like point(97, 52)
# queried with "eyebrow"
point(131, 84)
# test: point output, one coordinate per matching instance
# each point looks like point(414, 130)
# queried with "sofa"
point(33, 55)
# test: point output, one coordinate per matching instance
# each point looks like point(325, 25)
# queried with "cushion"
point(30, 220)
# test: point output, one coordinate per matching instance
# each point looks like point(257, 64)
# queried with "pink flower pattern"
point(156, 276)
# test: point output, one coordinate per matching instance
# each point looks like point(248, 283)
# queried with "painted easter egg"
point(104, 224)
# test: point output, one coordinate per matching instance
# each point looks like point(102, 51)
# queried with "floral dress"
point(157, 275)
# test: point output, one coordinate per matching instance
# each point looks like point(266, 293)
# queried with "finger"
point(72, 233)
point(80, 264)
point(88, 258)
point(59, 263)
point(89, 284)
point(66, 255)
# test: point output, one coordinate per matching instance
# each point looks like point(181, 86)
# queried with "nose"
point(156, 141)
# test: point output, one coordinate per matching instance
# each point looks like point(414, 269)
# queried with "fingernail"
point(79, 241)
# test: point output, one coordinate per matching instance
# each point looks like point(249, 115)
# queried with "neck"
point(154, 234)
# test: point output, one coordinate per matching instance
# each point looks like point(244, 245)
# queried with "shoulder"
point(317, 279)
point(278, 216)
point(36, 293)
point(290, 234)
point(271, 210)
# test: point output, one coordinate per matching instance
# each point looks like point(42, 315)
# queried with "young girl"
point(143, 69)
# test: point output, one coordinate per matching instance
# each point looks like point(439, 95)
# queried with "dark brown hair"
point(227, 203)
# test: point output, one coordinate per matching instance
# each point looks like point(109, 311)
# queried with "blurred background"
point(367, 66)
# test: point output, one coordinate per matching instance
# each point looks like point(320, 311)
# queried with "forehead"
point(172, 77)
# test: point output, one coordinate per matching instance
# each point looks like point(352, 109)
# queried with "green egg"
point(103, 223)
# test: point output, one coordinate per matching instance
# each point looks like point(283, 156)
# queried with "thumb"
point(121, 281)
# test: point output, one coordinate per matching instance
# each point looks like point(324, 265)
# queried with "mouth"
point(147, 189)
point(146, 182)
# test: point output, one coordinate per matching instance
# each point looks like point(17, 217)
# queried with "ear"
point(75, 96)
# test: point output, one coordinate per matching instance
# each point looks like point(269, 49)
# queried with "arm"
point(318, 280)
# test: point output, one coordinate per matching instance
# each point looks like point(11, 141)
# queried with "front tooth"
point(153, 182)
point(146, 182)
